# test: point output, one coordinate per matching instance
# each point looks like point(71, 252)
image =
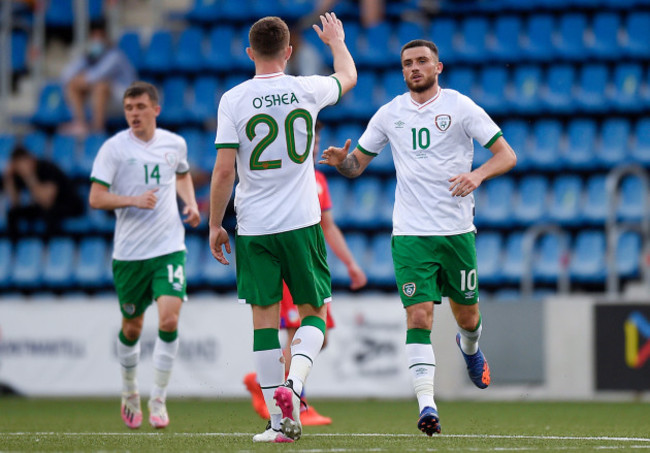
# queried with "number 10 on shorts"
point(468, 280)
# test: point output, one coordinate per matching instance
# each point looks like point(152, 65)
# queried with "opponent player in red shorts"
point(289, 318)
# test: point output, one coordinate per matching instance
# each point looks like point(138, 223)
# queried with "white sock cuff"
point(128, 356)
point(417, 353)
point(164, 354)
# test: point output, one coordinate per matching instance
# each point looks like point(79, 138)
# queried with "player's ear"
point(440, 66)
point(288, 52)
point(250, 53)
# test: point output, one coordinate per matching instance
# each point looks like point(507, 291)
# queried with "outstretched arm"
point(503, 159)
point(349, 165)
point(185, 190)
point(333, 35)
point(223, 179)
point(337, 243)
point(101, 198)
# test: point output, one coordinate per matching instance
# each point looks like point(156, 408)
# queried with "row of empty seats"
point(540, 38)
point(63, 264)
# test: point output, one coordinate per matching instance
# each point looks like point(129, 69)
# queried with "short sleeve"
point(183, 164)
point(226, 128)
point(373, 139)
point(478, 124)
point(326, 89)
point(104, 166)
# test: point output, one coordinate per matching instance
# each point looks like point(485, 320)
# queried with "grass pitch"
point(370, 426)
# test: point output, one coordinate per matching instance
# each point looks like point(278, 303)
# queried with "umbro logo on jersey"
point(399, 124)
point(443, 122)
point(408, 289)
point(132, 161)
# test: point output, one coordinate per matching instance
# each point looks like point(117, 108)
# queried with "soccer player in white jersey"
point(138, 173)
point(266, 126)
point(430, 131)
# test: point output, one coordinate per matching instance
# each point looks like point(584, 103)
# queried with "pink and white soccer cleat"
point(131, 412)
point(158, 417)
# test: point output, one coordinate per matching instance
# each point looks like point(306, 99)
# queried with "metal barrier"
point(614, 228)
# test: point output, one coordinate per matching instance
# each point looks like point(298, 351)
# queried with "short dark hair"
point(420, 43)
point(269, 36)
point(139, 88)
point(20, 152)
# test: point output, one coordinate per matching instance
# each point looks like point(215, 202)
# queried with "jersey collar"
point(427, 103)
point(143, 143)
point(269, 76)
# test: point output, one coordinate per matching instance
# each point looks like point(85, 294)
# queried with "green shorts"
point(138, 283)
point(428, 268)
point(298, 257)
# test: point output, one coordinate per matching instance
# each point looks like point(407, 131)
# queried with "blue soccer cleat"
point(429, 422)
point(477, 366)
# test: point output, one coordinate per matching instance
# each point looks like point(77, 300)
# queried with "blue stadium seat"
point(640, 151)
point(188, 54)
point(339, 192)
point(588, 258)
point(6, 262)
point(380, 270)
point(612, 148)
point(539, 43)
point(360, 103)
point(592, 86)
point(215, 274)
point(492, 89)
point(93, 268)
point(548, 260)
point(209, 152)
point(158, 55)
point(594, 209)
point(571, 43)
point(233, 80)
point(557, 92)
point(51, 109)
point(27, 269)
point(205, 12)
point(196, 247)
point(581, 144)
point(507, 37)
point(460, 79)
point(206, 98)
point(383, 163)
point(387, 204)
point(628, 82)
point(371, 50)
point(64, 153)
point(494, 201)
point(365, 202)
point(393, 84)
point(513, 258)
point(531, 202)
point(406, 31)
point(630, 199)
point(527, 81)
point(516, 134)
point(218, 56)
point(481, 155)
point(473, 38)
point(443, 32)
point(7, 144)
point(89, 150)
point(489, 247)
point(174, 112)
point(545, 150)
point(37, 143)
point(236, 10)
point(566, 200)
point(628, 254)
point(605, 31)
point(638, 35)
point(18, 51)
point(347, 131)
point(240, 59)
point(354, 38)
point(129, 43)
point(60, 13)
point(60, 260)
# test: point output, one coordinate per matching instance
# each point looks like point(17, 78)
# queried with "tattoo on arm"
point(350, 166)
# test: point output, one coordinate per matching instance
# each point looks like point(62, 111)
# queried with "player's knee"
point(132, 330)
point(169, 322)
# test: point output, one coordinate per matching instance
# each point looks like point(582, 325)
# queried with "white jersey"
point(270, 120)
point(431, 142)
point(129, 166)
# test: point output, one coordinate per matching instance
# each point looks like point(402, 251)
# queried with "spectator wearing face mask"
point(99, 77)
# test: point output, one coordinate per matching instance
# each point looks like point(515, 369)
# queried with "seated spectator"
point(100, 75)
point(51, 195)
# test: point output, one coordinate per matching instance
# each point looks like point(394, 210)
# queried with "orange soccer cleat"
point(309, 417)
point(257, 398)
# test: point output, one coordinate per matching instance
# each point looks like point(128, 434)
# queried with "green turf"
point(228, 425)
